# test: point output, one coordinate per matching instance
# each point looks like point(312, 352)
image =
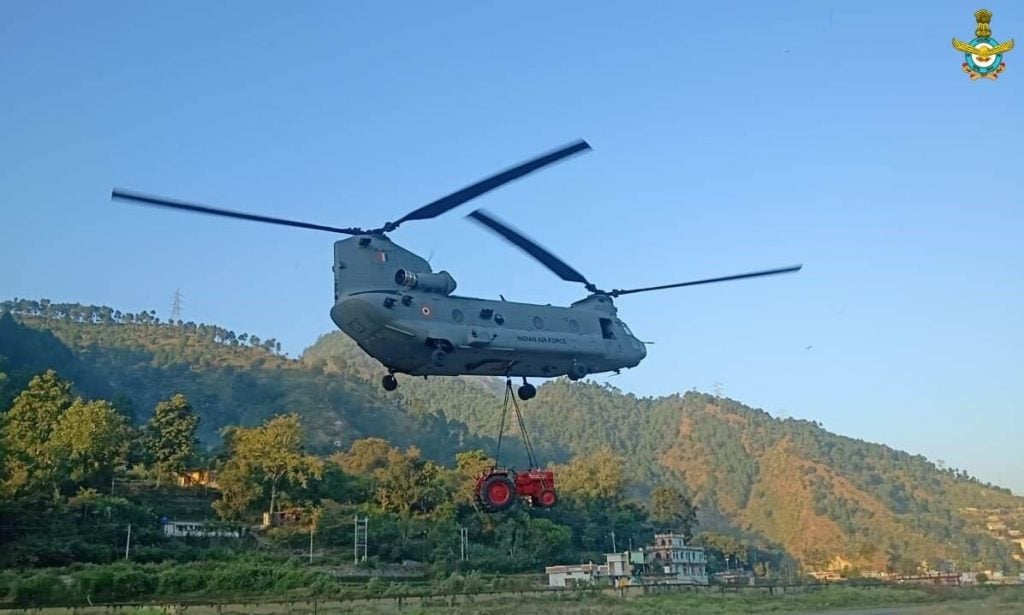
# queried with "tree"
point(171, 435)
point(469, 465)
point(368, 455)
point(28, 426)
point(262, 459)
point(671, 509)
point(239, 490)
point(598, 476)
point(91, 439)
point(411, 486)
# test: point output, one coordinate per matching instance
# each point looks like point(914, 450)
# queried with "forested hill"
point(789, 482)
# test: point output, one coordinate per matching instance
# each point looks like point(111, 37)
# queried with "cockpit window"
point(606, 329)
point(626, 329)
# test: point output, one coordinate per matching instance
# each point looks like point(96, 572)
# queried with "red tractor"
point(498, 488)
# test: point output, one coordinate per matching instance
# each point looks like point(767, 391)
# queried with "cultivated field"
point(828, 601)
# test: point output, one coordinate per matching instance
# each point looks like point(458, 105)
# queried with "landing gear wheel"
point(497, 493)
point(577, 371)
point(438, 357)
point(546, 499)
point(527, 392)
point(389, 382)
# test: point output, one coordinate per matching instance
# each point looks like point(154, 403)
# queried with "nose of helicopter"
point(638, 352)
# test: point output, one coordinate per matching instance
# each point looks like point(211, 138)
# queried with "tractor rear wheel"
point(497, 492)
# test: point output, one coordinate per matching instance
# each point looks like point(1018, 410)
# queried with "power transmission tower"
point(362, 533)
point(719, 388)
point(176, 306)
point(464, 543)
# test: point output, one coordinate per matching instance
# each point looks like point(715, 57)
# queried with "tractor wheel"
point(547, 498)
point(497, 493)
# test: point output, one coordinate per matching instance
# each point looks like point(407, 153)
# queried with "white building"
point(668, 561)
point(618, 564)
point(570, 576)
point(197, 529)
point(671, 556)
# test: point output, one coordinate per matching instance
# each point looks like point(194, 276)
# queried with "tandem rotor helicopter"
point(403, 314)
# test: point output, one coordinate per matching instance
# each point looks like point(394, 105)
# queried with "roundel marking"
point(425, 310)
point(981, 62)
point(984, 65)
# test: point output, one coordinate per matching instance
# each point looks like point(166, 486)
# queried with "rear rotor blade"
point(616, 293)
point(472, 191)
point(146, 199)
point(549, 260)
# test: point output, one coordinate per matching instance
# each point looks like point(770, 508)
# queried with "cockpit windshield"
point(626, 329)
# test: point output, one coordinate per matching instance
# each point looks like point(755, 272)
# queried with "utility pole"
point(464, 543)
point(176, 306)
point(128, 543)
point(311, 544)
point(361, 538)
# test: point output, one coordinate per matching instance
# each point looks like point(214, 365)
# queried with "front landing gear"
point(389, 382)
point(527, 391)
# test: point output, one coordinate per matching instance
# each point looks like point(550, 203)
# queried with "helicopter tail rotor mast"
point(567, 273)
point(428, 211)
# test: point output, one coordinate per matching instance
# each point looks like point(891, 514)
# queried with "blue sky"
point(727, 138)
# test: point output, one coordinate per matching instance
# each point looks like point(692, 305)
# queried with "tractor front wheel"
point(547, 498)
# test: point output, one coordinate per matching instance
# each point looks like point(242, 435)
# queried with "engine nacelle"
point(441, 282)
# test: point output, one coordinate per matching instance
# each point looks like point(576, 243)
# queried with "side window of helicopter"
point(538, 322)
point(457, 315)
point(499, 319)
point(574, 326)
point(486, 313)
point(606, 329)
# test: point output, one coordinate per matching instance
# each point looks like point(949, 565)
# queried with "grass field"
point(830, 601)
point(833, 600)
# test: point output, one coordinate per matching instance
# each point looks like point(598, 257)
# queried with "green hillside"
point(822, 497)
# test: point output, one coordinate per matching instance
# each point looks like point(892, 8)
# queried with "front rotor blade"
point(470, 192)
point(549, 260)
point(146, 199)
point(616, 293)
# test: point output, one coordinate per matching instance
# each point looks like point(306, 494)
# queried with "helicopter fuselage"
point(390, 302)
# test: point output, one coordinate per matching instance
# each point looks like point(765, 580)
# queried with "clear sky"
point(728, 137)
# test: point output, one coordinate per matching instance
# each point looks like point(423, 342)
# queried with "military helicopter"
point(405, 315)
